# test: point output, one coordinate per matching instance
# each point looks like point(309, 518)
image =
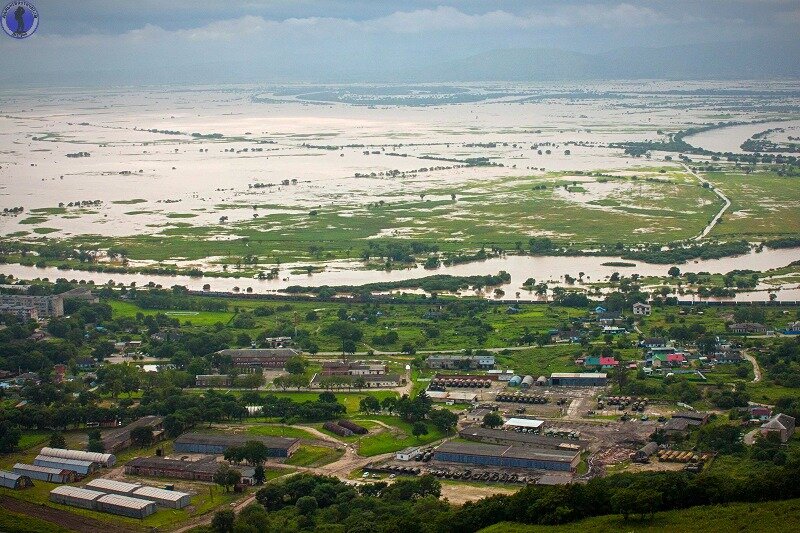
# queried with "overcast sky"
point(284, 38)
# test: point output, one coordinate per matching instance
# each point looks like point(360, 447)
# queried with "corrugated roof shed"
point(126, 505)
point(163, 497)
point(12, 480)
point(112, 485)
point(75, 496)
point(501, 450)
point(82, 467)
point(34, 468)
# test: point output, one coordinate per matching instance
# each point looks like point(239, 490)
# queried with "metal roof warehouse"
point(508, 456)
point(125, 506)
point(103, 459)
point(501, 436)
point(12, 480)
point(80, 467)
point(526, 423)
point(163, 497)
point(75, 496)
point(217, 444)
point(112, 486)
point(44, 473)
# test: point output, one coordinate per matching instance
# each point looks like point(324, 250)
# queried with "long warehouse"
point(162, 497)
point(103, 459)
point(516, 438)
point(508, 456)
point(75, 496)
point(43, 473)
point(125, 506)
point(82, 468)
point(218, 444)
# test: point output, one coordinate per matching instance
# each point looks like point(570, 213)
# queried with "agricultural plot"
point(763, 205)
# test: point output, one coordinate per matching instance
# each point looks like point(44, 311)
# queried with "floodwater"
point(730, 139)
point(549, 269)
point(141, 148)
point(152, 163)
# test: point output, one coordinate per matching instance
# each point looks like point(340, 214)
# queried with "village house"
point(640, 309)
point(748, 328)
point(792, 328)
point(600, 362)
point(609, 318)
point(761, 413)
point(781, 425)
point(653, 342)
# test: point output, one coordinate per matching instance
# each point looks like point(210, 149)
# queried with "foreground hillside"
point(760, 517)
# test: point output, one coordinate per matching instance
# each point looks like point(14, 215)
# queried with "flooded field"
point(280, 177)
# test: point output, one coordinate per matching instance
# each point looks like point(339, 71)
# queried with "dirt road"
point(756, 368)
point(716, 191)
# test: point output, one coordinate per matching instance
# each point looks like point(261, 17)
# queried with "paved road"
point(756, 368)
point(716, 191)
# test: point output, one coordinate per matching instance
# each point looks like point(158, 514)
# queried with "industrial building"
point(218, 444)
point(407, 454)
point(119, 439)
point(460, 362)
point(516, 438)
point(694, 418)
point(163, 498)
point(125, 506)
point(43, 473)
point(523, 424)
point(81, 468)
point(75, 496)
point(200, 470)
point(103, 459)
point(12, 480)
point(578, 379)
point(508, 456)
point(370, 381)
point(352, 368)
point(451, 396)
point(258, 358)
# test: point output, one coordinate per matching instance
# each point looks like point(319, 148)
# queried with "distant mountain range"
point(717, 61)
point(706, 61)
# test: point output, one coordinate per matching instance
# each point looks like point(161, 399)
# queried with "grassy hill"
point(761, 517)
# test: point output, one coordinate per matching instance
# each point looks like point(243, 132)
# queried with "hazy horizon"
point(152, 42)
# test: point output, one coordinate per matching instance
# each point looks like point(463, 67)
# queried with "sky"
point(284, 40)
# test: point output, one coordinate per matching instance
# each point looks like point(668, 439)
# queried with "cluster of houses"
point(661, 354)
